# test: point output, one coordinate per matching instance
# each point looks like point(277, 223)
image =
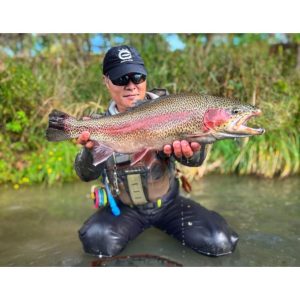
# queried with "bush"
point(61, 78)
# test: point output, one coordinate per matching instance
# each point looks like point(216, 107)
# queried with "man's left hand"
point(182, 148)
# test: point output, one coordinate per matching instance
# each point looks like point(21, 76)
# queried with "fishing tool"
point(148, 260)
point(184, 181)
point(112, 202)
point(99, 195)
point(102, 196)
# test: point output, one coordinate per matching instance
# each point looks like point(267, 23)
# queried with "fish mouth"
point(238, 127)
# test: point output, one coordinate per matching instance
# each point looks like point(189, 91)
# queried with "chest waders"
point(129, 184)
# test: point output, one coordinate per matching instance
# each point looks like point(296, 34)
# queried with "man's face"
point(125, 96)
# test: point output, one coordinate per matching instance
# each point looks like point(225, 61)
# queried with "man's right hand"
point(83, 139)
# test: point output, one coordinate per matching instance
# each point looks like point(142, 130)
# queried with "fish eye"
point(235, 111)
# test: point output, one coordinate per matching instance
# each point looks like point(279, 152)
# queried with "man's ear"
point(105, 81)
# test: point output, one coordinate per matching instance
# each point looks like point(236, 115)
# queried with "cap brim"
point(124, 69)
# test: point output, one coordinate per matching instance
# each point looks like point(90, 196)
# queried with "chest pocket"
point(136, 185)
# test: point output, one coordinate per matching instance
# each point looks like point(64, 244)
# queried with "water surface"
point(38, 225)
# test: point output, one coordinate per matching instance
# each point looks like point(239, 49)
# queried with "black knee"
point(211, 235)
point(221, 243)
point(215, 243)
point(98, 239)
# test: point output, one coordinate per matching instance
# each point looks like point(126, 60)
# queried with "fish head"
point(231, 122)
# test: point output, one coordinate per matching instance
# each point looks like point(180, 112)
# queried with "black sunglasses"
point(136, 78)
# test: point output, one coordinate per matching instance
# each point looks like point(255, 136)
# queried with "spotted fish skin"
point(155, 123)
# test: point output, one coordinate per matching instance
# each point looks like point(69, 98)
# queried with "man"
point(155, 199)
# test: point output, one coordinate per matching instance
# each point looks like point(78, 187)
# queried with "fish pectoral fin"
point(100, 153)
point(138, 156)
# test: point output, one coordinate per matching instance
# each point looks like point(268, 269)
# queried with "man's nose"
point(130, 85)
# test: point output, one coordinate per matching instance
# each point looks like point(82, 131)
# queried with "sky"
point(175, 42)
point(173, 39)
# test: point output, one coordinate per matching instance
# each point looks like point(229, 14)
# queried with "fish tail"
point(56, 130)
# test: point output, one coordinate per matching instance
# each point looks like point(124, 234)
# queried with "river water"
point(38, 225)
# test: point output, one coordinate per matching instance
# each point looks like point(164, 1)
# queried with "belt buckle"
point(151, 205)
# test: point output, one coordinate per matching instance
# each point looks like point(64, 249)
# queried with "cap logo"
point(125, 55)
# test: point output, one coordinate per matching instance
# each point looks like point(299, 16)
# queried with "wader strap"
point(136, 189)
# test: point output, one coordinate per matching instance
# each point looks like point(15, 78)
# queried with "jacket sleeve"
point(84, 166)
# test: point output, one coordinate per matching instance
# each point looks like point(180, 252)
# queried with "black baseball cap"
point(122, 60)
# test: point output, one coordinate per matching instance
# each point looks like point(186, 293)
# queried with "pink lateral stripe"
point(145, 123)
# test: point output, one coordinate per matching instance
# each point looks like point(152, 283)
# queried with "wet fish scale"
point(168, 105)
point(156, 123)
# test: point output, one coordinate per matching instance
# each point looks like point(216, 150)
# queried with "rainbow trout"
point(151, 124)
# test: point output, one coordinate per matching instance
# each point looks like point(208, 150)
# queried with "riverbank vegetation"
point(41, 72)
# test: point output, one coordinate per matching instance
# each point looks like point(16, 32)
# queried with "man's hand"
point(182, 148)
point(83, 139)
